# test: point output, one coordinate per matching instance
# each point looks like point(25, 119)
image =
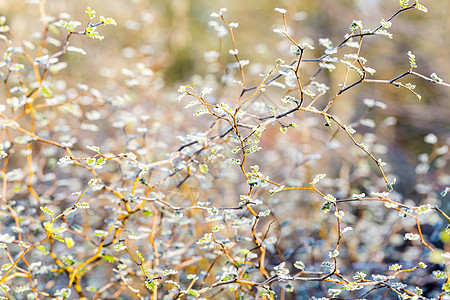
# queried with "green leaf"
point(108, 258)
point(92, 33)
point(421, 7)
point(390, 185)
point(385, 24)
point(356, 24)
point(326, 207)
point(69, 26)
point(309, 93)
point(53, 29)
point(412, 60)
point(150, 284)
point(46, 91)
point(47, 210)
point(147, 212)
point(69, 242)
point(58, 238)
point(203, 168)
point(43, 250)
point(384, 32)
point(140, 256)
point(404, 3)
point(436, 78)
point(108, 21)
point(90, 13)
point(193, 293)
point(328, 121)
point(17, 67)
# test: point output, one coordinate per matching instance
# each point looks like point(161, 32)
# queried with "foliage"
point(96, 204)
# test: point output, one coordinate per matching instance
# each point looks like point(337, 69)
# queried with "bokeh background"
point(171, 37)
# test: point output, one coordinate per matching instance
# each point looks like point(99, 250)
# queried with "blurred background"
point(171, 38)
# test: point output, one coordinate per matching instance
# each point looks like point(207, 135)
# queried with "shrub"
point(269, 193)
